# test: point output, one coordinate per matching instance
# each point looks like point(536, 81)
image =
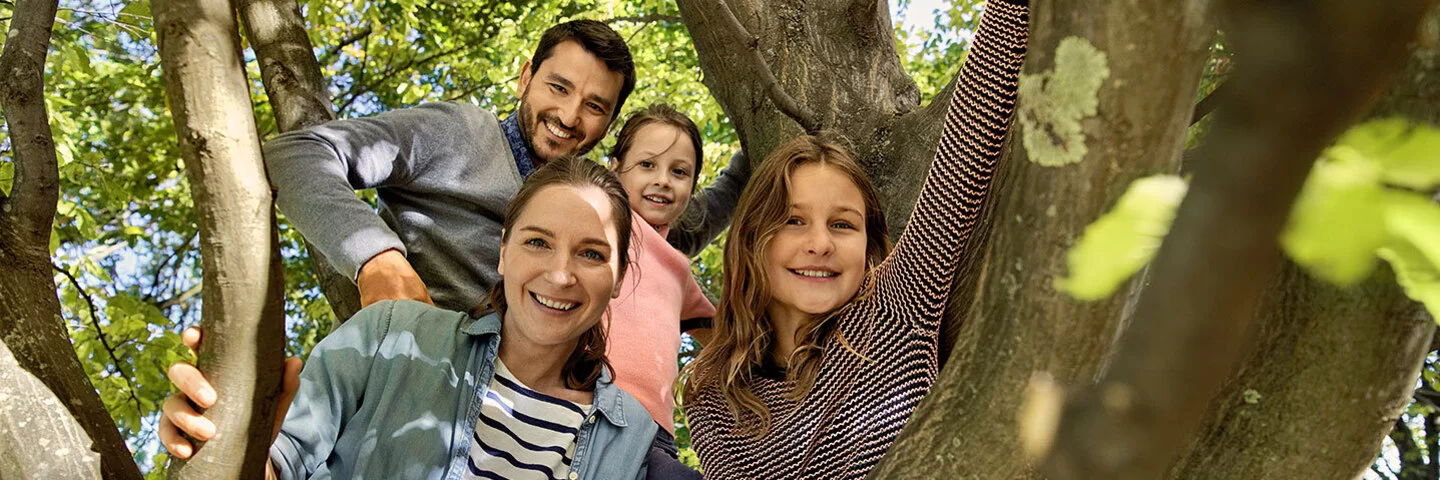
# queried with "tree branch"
point(330, 52)
point(30, 208)
point(787, 104)
point(182, 296)
point(104, 341)
point(1208, 104)
point(647, 18)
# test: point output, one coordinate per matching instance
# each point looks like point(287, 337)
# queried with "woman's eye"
point(842, 225)
point(593, 255)
point(536, 242)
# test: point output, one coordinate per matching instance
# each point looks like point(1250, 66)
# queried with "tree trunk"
point(30, 322)
point(243, 302)
point(299, 99)
point(1213, 266)
point(1365, 345)
point(1020, 324)
point(38, 436)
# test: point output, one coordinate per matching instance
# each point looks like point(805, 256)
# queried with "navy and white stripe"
point(522, 433)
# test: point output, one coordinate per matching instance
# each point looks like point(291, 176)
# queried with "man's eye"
point(557, 88)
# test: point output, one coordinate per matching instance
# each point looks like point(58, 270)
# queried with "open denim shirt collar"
point(607, 395)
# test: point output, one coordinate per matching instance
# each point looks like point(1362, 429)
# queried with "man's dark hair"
point(598, 39)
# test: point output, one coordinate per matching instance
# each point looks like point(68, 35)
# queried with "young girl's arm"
point(919, 272)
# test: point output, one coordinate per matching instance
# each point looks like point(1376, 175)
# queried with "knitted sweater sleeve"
point(918, 274)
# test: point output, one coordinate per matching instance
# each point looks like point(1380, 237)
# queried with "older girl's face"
point(816, 261)
point(560, 265)
point(658, 172)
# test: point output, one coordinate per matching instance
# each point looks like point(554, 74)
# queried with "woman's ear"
point(500, 267)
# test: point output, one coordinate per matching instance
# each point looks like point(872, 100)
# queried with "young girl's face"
point(658, 173)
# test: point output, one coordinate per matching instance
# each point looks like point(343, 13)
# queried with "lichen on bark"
point(1054, 102)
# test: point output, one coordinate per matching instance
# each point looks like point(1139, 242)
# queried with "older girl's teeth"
point(816, 273)
point(555, 304)
point(556, 131)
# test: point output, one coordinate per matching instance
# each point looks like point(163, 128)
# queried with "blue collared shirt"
point(396, 391)
point(513, 136)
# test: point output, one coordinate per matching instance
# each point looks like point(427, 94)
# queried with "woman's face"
point(658, 172)
point(560, 265)
point(816, 261)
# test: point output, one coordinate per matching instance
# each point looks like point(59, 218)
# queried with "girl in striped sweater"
point(824, 344)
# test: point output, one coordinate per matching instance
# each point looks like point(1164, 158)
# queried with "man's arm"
point(317, 170)
point(714, 213)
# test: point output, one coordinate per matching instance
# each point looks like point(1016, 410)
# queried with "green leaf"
point(1409, 154)
point(136, 14)
point(1124, 239)
point(7, 177)
point(1415, 219)
point(1337, 221)
point(1419, 277)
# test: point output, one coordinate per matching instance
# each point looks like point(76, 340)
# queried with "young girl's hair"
point(741, 341)
point(584, 366)
point(663, 114)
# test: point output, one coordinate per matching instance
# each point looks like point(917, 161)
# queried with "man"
point(444, 172)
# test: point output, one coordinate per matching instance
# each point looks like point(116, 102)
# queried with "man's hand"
point(388, 276)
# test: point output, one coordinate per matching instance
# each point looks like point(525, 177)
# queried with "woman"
point(823, 345)
point(407, 390)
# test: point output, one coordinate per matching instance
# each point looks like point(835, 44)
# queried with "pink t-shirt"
point(644, 321)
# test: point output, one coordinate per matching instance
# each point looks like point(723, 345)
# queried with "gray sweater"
point(443, 173)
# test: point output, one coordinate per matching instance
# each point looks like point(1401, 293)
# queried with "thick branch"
point(1191, 322)
point(297, 92)
point(30, 322)
point(243, 307)
point(30, 208)
point(38, 437)
point(783, 101)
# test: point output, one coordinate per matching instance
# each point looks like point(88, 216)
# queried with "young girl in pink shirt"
point(657, 155)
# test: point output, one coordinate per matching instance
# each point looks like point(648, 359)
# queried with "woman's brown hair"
point(586, 362)
point(741, 342)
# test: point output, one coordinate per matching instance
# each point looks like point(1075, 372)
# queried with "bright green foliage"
point(1348, 214)
point(1408, 153)
point(1338, 219)
point(1054, 102)
point(1123, 240)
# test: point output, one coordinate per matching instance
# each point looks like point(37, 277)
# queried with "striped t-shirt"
point(522, 433)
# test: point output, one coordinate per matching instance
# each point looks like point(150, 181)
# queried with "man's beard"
point(528, 124)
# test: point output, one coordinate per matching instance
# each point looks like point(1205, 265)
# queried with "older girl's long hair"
point(743, 334)
point(584, 366)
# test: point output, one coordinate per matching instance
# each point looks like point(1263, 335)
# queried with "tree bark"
point(1019, 323)
point(1366, 344)
point(1191, 321)
point(30, 321)
point(243, 301)
point(38, 436)
point(299, 98)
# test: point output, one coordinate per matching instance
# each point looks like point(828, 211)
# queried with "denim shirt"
point(396, 391)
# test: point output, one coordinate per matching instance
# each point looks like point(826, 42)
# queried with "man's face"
point(567, 105)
